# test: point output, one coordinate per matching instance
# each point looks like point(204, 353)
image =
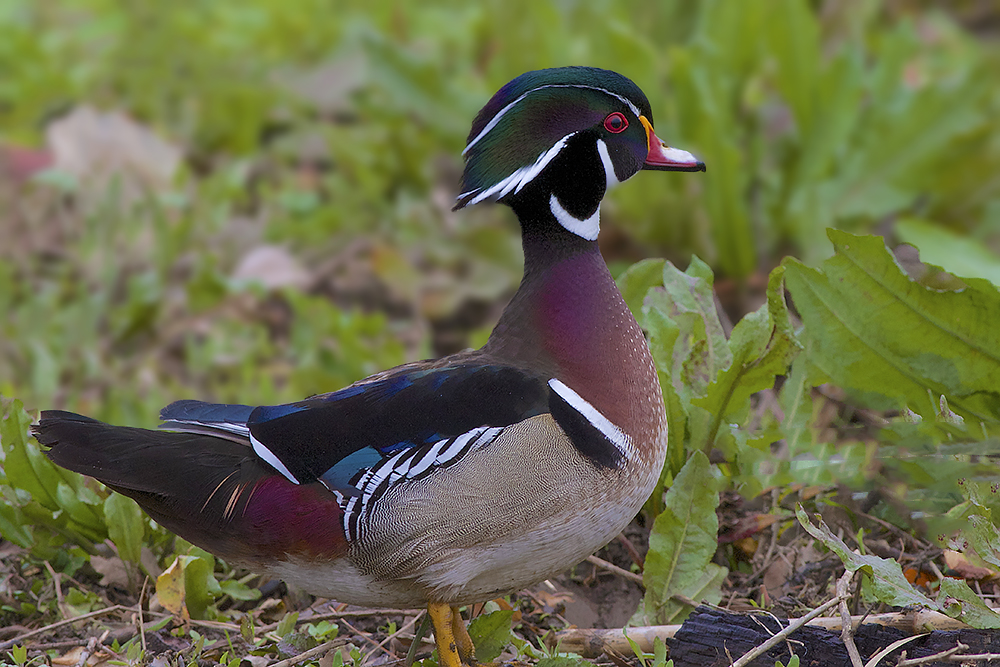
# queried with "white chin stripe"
point(587, 229)
point(609, 167)
point(614, 434)
point(272, 460)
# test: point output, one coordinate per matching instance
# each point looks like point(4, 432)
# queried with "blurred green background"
point(250, 201)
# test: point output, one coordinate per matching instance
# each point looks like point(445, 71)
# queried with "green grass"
point(335, 136)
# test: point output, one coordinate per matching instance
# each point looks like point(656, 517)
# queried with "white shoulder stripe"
point(272, 460)
point(615, 435)
point(496, 119)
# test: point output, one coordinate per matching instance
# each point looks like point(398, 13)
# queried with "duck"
point(444, 482)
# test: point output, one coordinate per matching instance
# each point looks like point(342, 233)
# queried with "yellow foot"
point(453, 642)
point(466, 649)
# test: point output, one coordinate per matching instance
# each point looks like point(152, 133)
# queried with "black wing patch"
point(410, 409)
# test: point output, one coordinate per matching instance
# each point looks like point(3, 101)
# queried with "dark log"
point(714, 638)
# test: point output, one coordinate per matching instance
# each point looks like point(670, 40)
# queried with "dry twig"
point(52, 626)
point(847, 631)
point(311, 653)
point(611, 567)
point(943, 655)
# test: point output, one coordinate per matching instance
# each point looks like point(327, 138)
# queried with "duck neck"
point(569, 320)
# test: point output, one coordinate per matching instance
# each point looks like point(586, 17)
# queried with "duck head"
point(555, 140)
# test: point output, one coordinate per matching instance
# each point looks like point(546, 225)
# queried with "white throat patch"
point(587, 229)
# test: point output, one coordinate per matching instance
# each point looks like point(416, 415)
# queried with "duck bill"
point(661, 157)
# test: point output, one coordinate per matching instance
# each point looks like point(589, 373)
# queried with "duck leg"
point(463, 642)
point(443, 617)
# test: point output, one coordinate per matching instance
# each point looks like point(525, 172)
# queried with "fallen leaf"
point(112, 571)
point(103, 148)
point(273, 267)
point(958, 563)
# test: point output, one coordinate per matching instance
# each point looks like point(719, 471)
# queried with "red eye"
point(616, 123)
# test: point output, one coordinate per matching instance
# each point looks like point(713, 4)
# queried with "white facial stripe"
point(496, 119)
point(587, 229)
point(614, 434)
point(272, 460)
point(609, 167)
point(521, 177)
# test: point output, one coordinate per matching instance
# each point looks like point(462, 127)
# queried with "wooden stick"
point(611, 567)
point(311, 653)
point(100, 612)
point(847, 629)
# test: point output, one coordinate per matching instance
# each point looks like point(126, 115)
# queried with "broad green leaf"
point(894, 343)
point(14, 526)
point(25, 465)
point(701, 349)
point(287, 624)
point(126, 526)
point(979, 535)
point(636, 282)
point(238, 591)
point(682, 544)
point(970, 608)
point(200, 585)
point(884, 578)
point(763, 344)
point(960, 255)
point(54, 488)
point(491, 633)
point(562, 661)
point(796, 402)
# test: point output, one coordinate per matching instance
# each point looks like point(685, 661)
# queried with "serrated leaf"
point(126, 526)
point(26, 467)
point(491, 633)
point(796, 401)
point(893, 343)
point(688, 303)
point(883, 577)
point(971, 608)
point(763, 345)
point(682, 544)
point(960, 255)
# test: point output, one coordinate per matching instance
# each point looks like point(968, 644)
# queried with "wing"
point(332, 437)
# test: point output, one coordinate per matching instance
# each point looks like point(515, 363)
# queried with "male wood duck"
point(457, 480)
